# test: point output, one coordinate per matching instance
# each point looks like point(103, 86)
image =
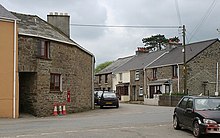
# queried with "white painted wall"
point(116, 79)
point(125, 79)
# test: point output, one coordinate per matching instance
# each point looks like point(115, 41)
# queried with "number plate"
point(108, 103)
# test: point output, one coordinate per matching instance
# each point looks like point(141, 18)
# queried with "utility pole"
point(184, 59)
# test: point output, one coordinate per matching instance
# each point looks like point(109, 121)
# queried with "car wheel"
point(176, 124)
point(117, 106)
point(196, 129)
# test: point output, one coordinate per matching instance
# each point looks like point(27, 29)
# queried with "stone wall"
point(75, 67)
point(102, 84)
point(166, 100)
point(137, 84)
point(202, 68)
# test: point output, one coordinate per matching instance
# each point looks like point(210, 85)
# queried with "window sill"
point(153, 79)
point(55, 91)
point(44, 58)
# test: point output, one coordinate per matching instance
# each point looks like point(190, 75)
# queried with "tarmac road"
point(128, 121)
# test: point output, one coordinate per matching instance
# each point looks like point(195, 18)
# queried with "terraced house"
point(52, 67)
point(104, 78)
point(165, 75)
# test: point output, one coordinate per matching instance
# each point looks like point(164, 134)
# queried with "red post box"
point(68, 96)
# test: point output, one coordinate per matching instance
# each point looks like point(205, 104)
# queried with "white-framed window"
point(137, 75)
point(120, 77)
point(154, 73)
point(175, 71)
point(141, 91)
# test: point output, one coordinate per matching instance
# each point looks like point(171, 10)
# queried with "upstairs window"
point(55, 81)
point(120, 76)
point(44, 49)
point(175, 71)
point(155, 73)
point(137, 75)
point(100, 79)
point(106, 78)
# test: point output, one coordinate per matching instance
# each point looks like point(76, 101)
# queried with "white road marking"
point(18, 136)
point(71, 131)
point(52, 133)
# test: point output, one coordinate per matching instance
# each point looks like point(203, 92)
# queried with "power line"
point(196, 29)
point(178, 12)
point(124, 26)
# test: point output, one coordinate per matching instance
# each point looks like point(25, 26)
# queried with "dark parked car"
point(198, 114)
point(109, 99)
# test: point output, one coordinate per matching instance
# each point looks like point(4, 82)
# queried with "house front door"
point(134, 93)
point(152, 90)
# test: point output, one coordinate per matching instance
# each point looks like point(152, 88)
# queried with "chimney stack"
point(142, 50)
point(61, 21)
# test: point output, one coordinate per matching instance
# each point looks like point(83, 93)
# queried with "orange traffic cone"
point(64, 109)
point(55, 110)
point(60, 110)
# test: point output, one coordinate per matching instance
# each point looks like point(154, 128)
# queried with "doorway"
point(27, 92)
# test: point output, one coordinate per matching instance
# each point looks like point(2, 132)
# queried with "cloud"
point(108, 44)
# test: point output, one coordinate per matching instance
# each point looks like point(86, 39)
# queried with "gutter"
point(15, 65)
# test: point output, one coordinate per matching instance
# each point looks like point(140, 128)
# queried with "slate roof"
point(5, 14)
point(175, 56)
point(140, 61)
point(32, 25)
point(119, 62)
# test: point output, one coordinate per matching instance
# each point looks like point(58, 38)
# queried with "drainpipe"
point(178, 84)
point(216, 94)
point(93, 64)
point(15, 65)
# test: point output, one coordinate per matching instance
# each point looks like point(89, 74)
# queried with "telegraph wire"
point(207, 14)
point(124, 26)
point(178, 12)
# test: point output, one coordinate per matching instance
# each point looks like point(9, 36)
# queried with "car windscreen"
point(207, 104)
point(109, 95)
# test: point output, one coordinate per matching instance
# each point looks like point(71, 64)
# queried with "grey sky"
point(111, 43)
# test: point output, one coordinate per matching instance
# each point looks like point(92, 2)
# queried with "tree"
point(102, 66)
point(158, 42)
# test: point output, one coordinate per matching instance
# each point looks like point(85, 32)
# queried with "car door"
point(180, 110)
point(189, 112)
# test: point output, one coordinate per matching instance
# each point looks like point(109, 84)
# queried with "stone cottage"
point(165, 75)
point(51, 65)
